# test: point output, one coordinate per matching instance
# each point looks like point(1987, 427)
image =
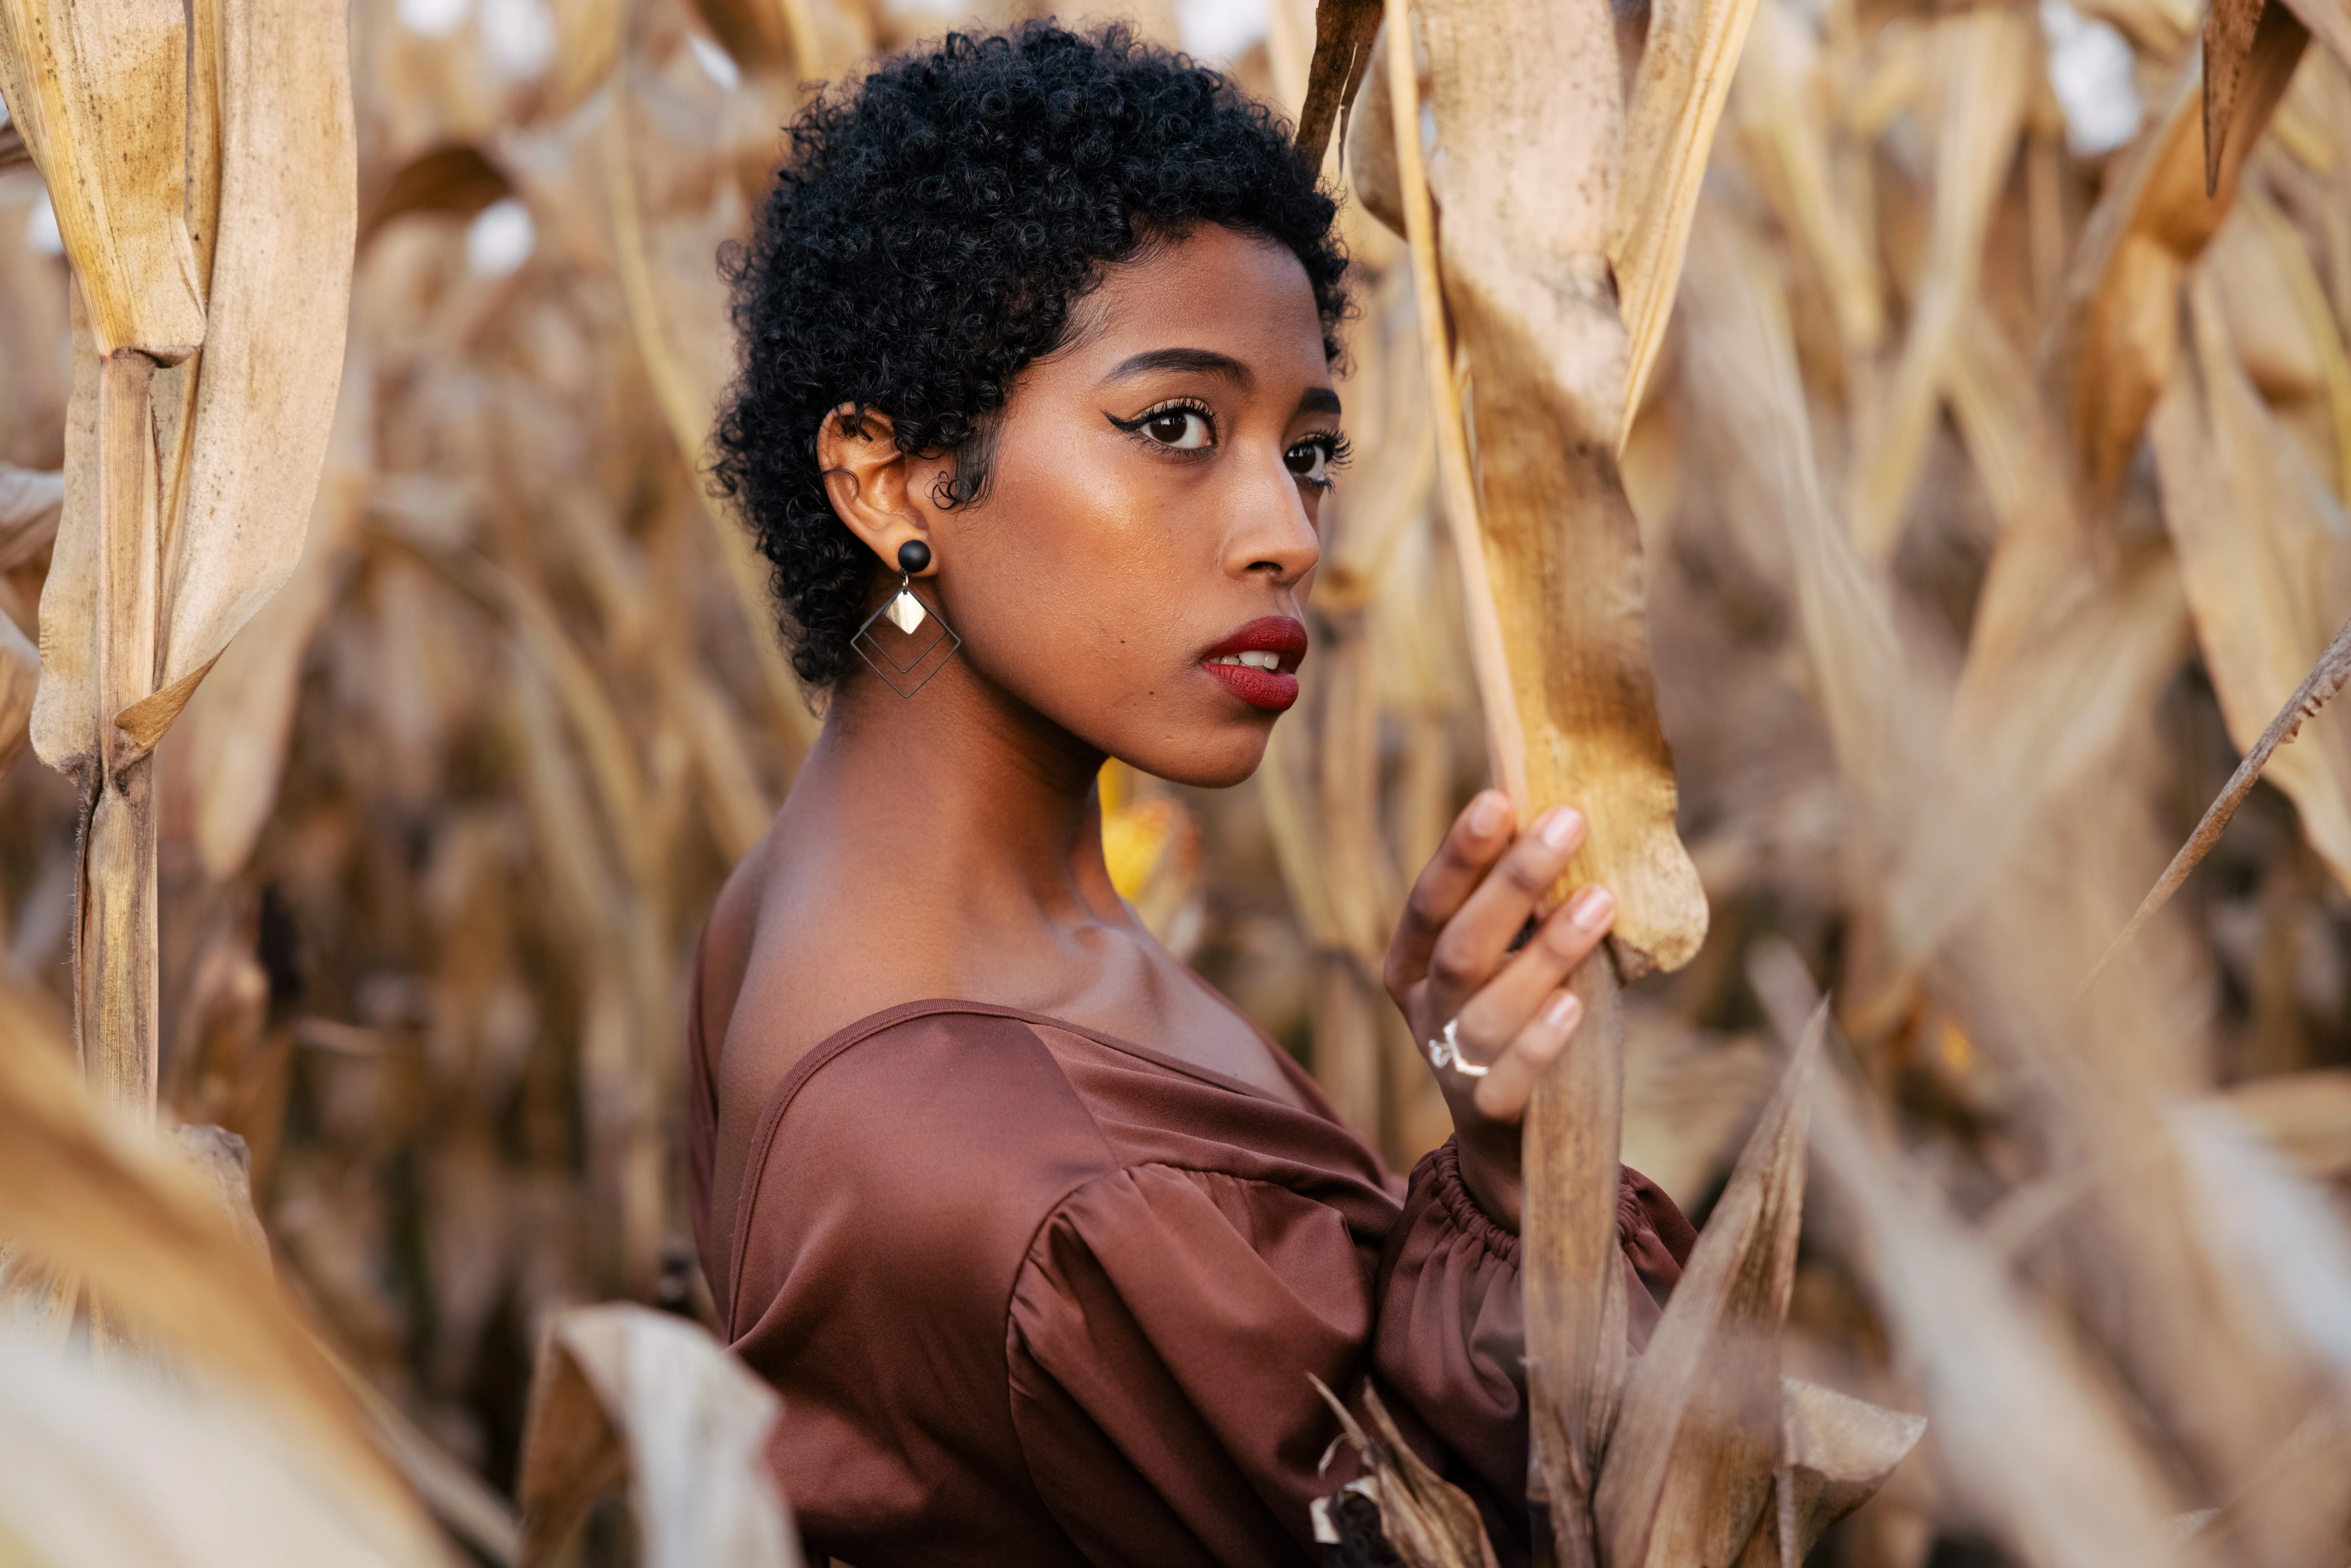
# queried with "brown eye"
point(1309, 461)
point(1185, 429)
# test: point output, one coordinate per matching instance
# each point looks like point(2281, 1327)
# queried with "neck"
point(973, 799)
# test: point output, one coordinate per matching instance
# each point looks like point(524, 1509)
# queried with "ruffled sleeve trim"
point(1461, 1211)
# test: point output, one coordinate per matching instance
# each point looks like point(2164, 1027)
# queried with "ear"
point(868, 481)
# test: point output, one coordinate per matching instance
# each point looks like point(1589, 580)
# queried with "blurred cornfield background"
point(1992, 499)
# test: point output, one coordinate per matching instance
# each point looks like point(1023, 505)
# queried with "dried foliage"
point(1836, 454)
point(622, 1391)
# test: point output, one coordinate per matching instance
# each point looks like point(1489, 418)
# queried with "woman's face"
point(1138, 570)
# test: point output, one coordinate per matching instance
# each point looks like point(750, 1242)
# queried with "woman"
point(1038, 1237)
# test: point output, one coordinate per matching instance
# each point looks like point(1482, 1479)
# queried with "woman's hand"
point(1451, 962)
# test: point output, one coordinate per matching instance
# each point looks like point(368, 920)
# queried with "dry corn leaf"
point(2116, 341)
point(1687, 62)
point(2329, 21)
point(456, 180)
point(2315, 324)
point(588, 35)
point(1690, 1099)
point(1983, 68)
point(671, 210)
point(223, 1168)
point(1772, 108)
point(99, 90)
point(2274, 1227)
point(1370, 149)
point(1345, 49)
point(2229, 27)
point(233, 736)
point(2030, 734)
point(1427, 1521)
point(2035, 1444)
point(2160, 28)
point(100, 1471)
point(2257, 300)
point(2039, 567)
point(1835, 1452)
point(279, 301)
point(2306, 1116)
point(2318, 688)
point(1697, 1442)
point(88, 1197)
point(30, 502)
point(1744, 383)
point(20, 676)
point(2265, 552)
point(622, 1391)
point(263, 399)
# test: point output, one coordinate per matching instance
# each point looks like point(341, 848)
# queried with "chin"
point(1210, 758)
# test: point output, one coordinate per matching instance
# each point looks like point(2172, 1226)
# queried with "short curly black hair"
point(932, 225)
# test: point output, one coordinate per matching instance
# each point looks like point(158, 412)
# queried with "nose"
point(1272, 534)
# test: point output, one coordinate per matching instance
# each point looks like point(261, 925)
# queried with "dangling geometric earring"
point(898, 665)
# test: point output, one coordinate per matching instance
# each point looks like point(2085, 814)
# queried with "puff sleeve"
point(1164, 1320)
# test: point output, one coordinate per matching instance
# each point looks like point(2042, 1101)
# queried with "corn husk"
point(621, 1392)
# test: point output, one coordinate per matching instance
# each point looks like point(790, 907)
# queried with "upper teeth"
point(1261, 658)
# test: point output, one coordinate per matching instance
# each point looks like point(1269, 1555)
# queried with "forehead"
point(1230, 293)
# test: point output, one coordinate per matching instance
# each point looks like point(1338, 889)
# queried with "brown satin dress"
point(1033, 1295)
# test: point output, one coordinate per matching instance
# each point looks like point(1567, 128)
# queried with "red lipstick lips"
point(1240, 661)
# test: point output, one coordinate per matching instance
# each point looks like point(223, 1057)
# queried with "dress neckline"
point(763, 1133)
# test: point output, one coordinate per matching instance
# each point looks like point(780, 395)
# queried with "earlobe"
point(866, 478)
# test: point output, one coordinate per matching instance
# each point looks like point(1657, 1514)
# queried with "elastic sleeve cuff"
point(1440, 1171)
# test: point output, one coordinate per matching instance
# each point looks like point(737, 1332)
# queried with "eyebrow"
point(1202, 361)
point(1208, 362)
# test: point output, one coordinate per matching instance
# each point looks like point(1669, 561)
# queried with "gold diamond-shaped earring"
point(907, 613)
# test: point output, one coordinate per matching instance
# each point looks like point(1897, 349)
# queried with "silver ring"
point(1445, 1052)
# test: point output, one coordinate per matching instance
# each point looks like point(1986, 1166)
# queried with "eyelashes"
point(1189, 426)
point(1311, 461)
point(1179, 425)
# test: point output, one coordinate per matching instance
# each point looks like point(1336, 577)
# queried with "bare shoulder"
point(804, 943)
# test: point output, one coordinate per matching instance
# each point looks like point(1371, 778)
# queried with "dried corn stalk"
point(189, 475)
point(1531, 126)
point(1530, 121)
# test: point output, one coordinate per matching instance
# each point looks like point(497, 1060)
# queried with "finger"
point(1478, 835)
point(1503, 1006)
point(1502, 1095)
point(1476, 940)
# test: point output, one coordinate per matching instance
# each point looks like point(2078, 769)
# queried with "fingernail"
point(1561, 1012)
point(1487, 814)
point(1560, 827)
point(1592, 907)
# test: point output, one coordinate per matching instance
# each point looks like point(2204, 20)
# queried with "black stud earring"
point(906, 613)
